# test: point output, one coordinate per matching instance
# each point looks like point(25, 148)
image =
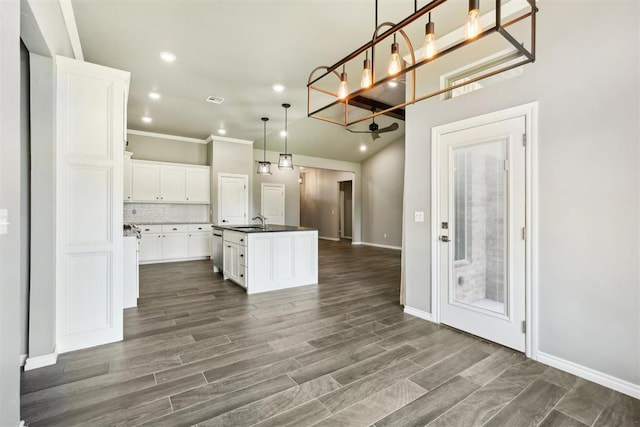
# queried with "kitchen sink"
point(257, 227)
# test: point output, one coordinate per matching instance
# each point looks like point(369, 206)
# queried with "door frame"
point(284, 198)
point(530, 113)
point(246, 192)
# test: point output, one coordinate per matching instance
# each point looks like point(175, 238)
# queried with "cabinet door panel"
point(198, 185)
point(172, 184)
point(145, 182)
point(175, 245)
point(150, 247)
point(199, 244)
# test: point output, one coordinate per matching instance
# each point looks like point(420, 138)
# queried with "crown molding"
point(164, 136)
point(226, 139)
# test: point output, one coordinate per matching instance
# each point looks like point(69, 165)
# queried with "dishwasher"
point(217, 250)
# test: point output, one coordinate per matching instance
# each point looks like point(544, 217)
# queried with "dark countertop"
point(257, 228)
point(172, 222)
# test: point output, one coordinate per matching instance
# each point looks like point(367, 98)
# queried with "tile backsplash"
point(149, 213)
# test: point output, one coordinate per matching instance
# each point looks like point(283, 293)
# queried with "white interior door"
point(233, 199)
point(482, 220)
point(272, 203)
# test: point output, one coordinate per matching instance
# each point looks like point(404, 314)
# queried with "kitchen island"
point(271, 257)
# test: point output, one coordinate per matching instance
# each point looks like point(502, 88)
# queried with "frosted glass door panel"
point(479, 227)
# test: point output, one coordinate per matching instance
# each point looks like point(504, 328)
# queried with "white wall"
point(10, 199)
point(587, 86)
point(382, 189)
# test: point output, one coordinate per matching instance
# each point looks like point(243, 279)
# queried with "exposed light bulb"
point(343, 89)
point(394, 62)
point(430, 47)
point(473, 24)
point(367, 78)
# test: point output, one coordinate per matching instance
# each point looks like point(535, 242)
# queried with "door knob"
point(444, 239)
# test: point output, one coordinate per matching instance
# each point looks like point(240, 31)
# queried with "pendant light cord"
point(264, 142)
point(286, 130)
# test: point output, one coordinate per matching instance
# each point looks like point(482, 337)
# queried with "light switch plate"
point(418, 216)
point(4, 221)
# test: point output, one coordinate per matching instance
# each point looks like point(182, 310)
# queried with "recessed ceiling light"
point(393, 83)
point(222, 131)
point(283, 133)
point(154, 95)
point(363, 148)
point(147, 119)
point(167, 56)
point(278, 87)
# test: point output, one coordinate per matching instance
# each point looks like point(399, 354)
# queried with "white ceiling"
point(237, 50)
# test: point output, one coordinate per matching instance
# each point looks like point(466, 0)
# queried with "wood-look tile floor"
point(199, 351)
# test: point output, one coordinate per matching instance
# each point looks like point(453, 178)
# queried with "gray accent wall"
point(166, 150)
point(25, 202)
point(229, 157)
point(42, 313)
point(383, 185)
point(10, 268)
point(588, 173)
point(319, 206)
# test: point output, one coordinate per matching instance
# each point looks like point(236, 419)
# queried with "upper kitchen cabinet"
point(169, 182)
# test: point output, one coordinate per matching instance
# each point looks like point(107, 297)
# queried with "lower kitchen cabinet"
point(174, 242)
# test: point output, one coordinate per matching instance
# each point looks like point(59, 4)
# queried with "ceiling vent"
point(215, 99)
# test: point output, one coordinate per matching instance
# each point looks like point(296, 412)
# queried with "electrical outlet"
point(4, 221)
point(418, 216)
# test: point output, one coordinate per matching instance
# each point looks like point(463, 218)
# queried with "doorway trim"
point(530, 112)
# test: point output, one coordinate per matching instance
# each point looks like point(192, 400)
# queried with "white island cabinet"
point(268, 260)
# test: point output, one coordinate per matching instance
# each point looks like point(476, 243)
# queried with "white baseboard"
point(40, 361)
point(418, 313)
point(356, 243)
point(597, 377)
point(162, 261)
point(397, 248)
point(23, 359)
point(333, 239)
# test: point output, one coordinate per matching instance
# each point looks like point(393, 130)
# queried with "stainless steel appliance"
point(217, 250)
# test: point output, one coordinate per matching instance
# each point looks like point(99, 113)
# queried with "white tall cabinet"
point(90, 104)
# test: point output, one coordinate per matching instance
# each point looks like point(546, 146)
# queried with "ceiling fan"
point(376, 130)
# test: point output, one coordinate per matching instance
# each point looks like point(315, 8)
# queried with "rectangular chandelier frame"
point(352, 98)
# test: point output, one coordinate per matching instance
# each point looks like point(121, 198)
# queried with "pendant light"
point(430, 47)
point(473, 22)
point(343, 89)
point(395, 66)
point(367, 78)
point(264, 167)
point(286, 160)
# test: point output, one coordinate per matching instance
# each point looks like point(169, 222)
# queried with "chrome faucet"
point(261, 217)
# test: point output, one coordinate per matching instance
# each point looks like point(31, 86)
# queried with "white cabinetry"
point(267, 261)
point(145, 182)
point(173, 184)
point(234, 257)
point(198, 185)
point(169, 182)
point(127, 176)
point(199, 240)
point(151, 243)
point(174, 242)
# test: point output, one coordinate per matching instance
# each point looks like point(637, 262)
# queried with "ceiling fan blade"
point(358, 131)
point(391, 127)
point(374, 135)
